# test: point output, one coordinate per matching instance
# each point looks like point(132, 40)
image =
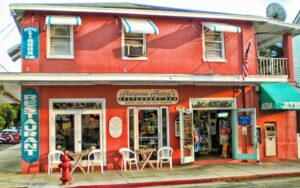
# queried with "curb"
point(191, 181)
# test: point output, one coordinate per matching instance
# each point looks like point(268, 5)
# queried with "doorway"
point(148, 128)
point(76, 125)
point(212, 134)
point(77, 136)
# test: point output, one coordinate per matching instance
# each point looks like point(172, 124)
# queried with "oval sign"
point(115, 127)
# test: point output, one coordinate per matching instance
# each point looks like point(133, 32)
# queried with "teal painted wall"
point(296, 54)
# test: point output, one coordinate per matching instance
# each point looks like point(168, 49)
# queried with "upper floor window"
point(213, 40)
point(213, 45)
point(60, 36)
point(134, 45)
point(134, 38)
point(60, 41)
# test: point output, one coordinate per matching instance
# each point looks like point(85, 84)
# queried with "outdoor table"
point(77, 157)
point(146, 155)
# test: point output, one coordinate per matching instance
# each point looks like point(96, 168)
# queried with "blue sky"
point(9, 35)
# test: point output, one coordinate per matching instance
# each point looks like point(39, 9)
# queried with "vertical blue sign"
point(30, 43)
point(30, 125)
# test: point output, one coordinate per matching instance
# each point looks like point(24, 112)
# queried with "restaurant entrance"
point(148, 128)
point(76, 126)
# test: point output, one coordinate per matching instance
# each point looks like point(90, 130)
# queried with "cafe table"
point(77, 157)
point(146, 155)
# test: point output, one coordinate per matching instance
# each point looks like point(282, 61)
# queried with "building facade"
point(146, 78)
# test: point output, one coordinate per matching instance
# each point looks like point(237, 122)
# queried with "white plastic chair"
point(54, 159)
point(126, 153)
point(97, 155)
point(164, 153)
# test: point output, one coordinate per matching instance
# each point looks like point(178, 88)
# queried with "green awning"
point(279, 96)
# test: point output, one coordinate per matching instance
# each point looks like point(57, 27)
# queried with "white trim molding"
point(136, 79)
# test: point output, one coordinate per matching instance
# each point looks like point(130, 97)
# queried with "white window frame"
point(53, 56)
point(136, 133)
point(102, 112)
point(205, 58)
point(124, 57)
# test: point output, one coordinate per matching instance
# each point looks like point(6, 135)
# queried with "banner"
point(30, 125)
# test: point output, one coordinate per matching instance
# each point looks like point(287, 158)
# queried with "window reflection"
point(64, 132)
point(90, 131)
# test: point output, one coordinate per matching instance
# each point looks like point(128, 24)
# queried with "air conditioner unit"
point(134, 50)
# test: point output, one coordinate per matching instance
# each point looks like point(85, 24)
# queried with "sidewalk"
point(149, 177)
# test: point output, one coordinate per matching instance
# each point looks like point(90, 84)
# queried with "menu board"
point(188, 129)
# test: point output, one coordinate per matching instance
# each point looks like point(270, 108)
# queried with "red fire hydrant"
point(65, 169)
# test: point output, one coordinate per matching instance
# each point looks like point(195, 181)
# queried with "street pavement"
point(229, 175)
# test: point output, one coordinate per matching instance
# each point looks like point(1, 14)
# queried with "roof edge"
point(136, 11)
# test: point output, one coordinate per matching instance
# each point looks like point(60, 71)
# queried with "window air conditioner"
point(134, 50)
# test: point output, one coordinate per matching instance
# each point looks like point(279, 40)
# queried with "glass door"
point(186, 136)
point(77, 131)
point(244, 136)
point(64, 132)
point(148, 128)
point(90, 131)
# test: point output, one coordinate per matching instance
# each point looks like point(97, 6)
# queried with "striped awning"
point(63, 20)
point(220, 27)
point(279, 96)
point(134, 25)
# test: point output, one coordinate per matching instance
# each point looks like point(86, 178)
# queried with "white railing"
point(272, 66)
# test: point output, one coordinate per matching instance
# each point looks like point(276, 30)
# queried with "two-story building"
point(134, 76)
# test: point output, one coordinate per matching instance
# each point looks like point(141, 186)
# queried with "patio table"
point(77, 157)
point(146, 155)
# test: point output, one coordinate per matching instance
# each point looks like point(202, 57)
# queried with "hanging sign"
point(115, 127)
point(30, 125)
point(244, 120)
point(147, 96)
point(30, 43)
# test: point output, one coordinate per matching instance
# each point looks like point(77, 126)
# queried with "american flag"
point(245, 62)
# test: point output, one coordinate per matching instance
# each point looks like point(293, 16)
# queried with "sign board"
point(147, 96)
point(244, 120)
point(213, 103)
point(30, 125)
point(115, 127)
point(30, 43)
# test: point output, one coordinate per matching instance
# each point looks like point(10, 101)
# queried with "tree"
point(274, 51)
point(8, 114)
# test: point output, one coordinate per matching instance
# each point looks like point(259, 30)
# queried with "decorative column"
point(288, 53)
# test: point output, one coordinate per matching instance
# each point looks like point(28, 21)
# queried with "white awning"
point(133, 25)
point(217, 27)
point(63, 20)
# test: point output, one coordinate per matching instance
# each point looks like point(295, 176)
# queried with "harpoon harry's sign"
point(30, 125)
point(147, 96)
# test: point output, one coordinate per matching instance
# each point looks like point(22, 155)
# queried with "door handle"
point(79, 142)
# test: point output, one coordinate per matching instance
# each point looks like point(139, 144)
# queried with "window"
point(134, 46)
point(213, 45)
point(60, 41)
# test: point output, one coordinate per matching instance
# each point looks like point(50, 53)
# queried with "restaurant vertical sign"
point(30, 125)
